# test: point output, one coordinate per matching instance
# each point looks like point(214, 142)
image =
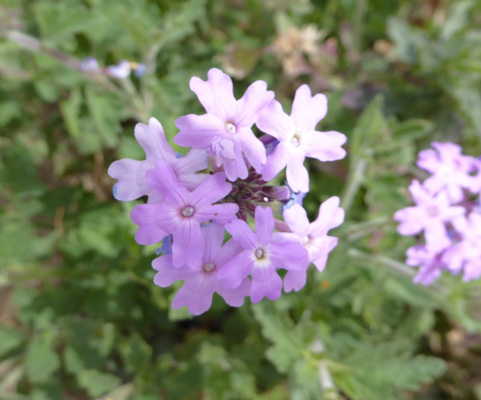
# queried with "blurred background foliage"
point(80, 317)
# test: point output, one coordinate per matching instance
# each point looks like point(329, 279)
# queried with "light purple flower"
point(262, 253)
point(430, 214)
point(131, 174)
point(225, 131)
point(182, 212)
point(313, 237)
point(466, 254)
point(474, 175)
point(90, 64)
point(449, 169)
point(298, 137)
point(429, 261)
point(201, 279)
point(120, 71)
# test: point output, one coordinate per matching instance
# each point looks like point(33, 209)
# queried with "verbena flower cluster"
point(222, 184)
point(448, 211)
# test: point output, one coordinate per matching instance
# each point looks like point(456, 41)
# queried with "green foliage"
point(79, 314)
point(41, 361)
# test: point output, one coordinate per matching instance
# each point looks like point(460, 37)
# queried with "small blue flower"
point(293, 199)
point(90, 64)
point(140, 70)
point(166, 247)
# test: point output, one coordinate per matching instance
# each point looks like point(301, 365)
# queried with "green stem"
point(355, 231)
point(132, 100)
point(397, 266)
point(355, 181)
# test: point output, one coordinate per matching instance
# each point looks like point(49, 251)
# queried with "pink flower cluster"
point(223, 183)
point(447, 210)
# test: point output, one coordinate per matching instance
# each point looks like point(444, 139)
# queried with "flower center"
point(188, 211)
point(295, 140)
point(305, 240)
point(259, 253)
point(230, 128)
point(209, 266)
point(432, 211)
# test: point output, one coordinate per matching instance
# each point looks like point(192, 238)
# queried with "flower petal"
point(213, 189)
point(131, 176)
point(297, 176)
point(227, 252)
point(307, 111)
point(255, 98)
point(235, 297)
point(155, 222)
point(234, 271)
point(289, 255)
point(330, 216)
point(275, 122)
point(185, 168)
point(198, 130)
point(219, 213)
point(276, 161)
point(411, 220)
point(242, 234)
point(152, 139)
point(167, 274)
point(253, 148)
point(214, 237)
point(296, 218)
point(236, 168)
point(264, 224)
point(216, 94)
point(319, 250)
point(295, 280)
point(265, 283)
point(164, 180)
point(196, 299)
point(325, 146)
point(188, 244)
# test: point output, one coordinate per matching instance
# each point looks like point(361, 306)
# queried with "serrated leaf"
point(278, 328)
point(9, 339)
point(97, 383)
point(404, 39)
point(369, 130)
point(136, 352)
point(105, 111)
point(41, 361)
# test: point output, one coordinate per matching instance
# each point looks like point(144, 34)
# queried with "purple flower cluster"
point(222, 184)
point(121, 70)
point(447, 211)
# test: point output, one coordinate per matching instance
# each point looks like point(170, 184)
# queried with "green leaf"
point(279, 329)
point(97, 383)
point(41, 360)
point(468, 98)
point(59, 20)
point(370, 130)
point(105, 111)
point(136, 352)
point(404, 39)
point(9, 339)
point(458, 15)
point(383, 371)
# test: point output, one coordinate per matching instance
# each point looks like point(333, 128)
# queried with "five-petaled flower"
point(263, 253)
point(225, 131)
point(298, 137)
